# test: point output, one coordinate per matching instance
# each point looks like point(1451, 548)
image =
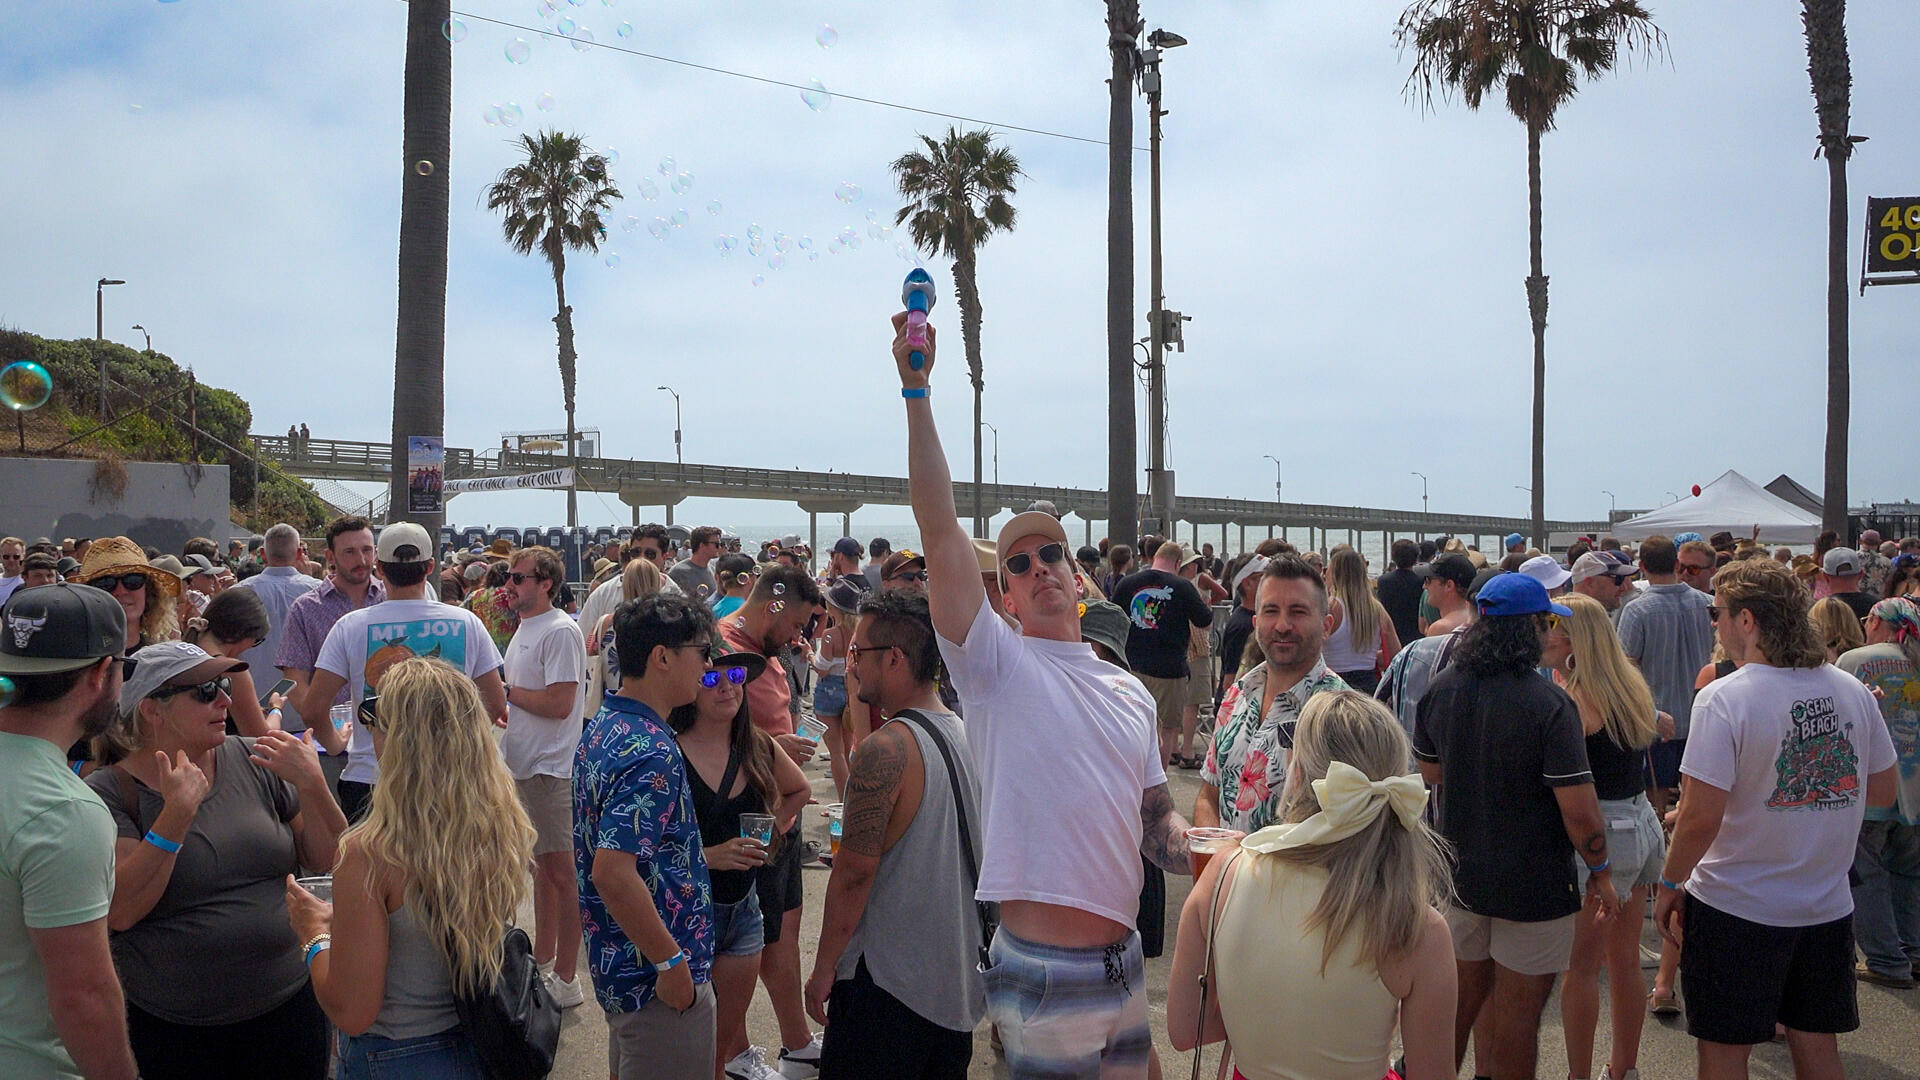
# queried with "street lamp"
point(1612, 504)
point(1423, 490)
point(100, 333)
point(677, 461)
point(1675, 498)
point(1276, 464)
point(148, 335)
point(1163, 326)
point(996, 452)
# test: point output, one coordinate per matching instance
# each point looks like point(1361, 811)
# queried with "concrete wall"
point(163, 505)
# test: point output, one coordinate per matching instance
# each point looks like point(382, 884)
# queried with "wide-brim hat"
point(119, 555)
point(167, 564)
point(1105, 623)
point(755, 664)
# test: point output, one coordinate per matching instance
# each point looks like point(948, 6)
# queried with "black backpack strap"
point(981, 908)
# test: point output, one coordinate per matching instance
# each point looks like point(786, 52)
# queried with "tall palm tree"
point(1826, 26)
point(420, 333)
point(1123, 32)
point(553, 201)
point(1535, 52)
point(956, 193)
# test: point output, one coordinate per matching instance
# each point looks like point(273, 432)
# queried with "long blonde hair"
point(1382, 879)
point(640, 578)
point(1837, 625)
point(1347, 574)
point(445, 816)
point(1600, 673)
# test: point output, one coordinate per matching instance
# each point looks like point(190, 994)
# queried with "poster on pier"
point(426, 473)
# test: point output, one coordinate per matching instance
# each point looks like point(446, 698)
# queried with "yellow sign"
point(1893, 236)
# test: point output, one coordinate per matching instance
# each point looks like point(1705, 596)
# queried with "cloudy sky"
point(1353, 266)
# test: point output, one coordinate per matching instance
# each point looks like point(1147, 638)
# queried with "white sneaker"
point(750, 1064)
point(566, 994)
point(1606, 1073)
point(801, 1064)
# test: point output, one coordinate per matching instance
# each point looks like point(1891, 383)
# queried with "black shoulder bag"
point(515, 1024)
point(989, 918)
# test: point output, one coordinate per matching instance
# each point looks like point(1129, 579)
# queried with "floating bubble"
point(874, 232)
point(902, 250)
point(755, 232)
point(682, 183)
point(701, 589)
point(873, 216)
point(424, 168)
point(548, 7)
point(613, 259)
point(813, 256)
point(518, 51)
point(544, 102)
point(455, 30)
point(782, 243)
point(816, 96)
point(756, 247)
point(630, 224)
point(777, 606)
point(625, 30)
point(714, 207)
point(607, 3)
point(135, 109)
point(649, 190)
point(612, 155)
point(720, 244)
point(582, 40)
point(666, 166)
point(659, 228)
point(776, 260)
point(847, 236)
point(827, 36)
point(492, 116)
point(678, 219)
point(779, 589)
point(566, 26)
point(25, 386)
point(848, 192)
point(576, 3)
point(806, 243)
point(510, 114)
point(6, 684)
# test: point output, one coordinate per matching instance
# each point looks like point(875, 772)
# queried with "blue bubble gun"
point(917, 296)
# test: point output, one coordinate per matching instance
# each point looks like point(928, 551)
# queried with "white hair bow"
point(1348, 803)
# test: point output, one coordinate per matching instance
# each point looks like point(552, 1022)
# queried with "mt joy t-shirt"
point(1793, 749)
point(1164, 608)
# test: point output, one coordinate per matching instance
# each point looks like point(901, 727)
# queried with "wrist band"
point(317, 948)
point(1602, 868)
point(911, 392)
point(668, 965)
point(161, 842)
point(1665, 884)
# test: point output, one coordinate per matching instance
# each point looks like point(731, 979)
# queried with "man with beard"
point(59, 682)
point(312, 614)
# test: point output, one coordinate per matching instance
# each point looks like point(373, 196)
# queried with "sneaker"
point(1664, 1004)
point(545, 966)
point(566, 994)
point(1892, 982)
point(1606, 1073)
point(1649, 958)
point(801, 1064)
point(750, 1064)
point(813, 853)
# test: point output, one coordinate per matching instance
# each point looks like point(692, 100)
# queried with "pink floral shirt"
point(1248, 760)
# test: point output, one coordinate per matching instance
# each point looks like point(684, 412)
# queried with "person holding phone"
point(234, 624)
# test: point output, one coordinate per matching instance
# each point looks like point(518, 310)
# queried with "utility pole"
point(996, 452)
point(1123, 30)
point(1423, 490)
point(100, 334)
point(1276, 475)
point(1162, 325)
point(679, 464)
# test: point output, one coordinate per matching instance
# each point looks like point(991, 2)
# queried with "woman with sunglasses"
point(119, 566)
point(235, 621)
point(733, 768)
point(209, 828)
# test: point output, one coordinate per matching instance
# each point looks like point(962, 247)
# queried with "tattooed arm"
point(1580, 813)
point(1163, 832)
point(877, 771)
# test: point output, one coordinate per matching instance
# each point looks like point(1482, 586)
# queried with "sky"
point(1352, 263)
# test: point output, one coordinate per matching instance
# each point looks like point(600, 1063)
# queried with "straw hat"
point(119, 555)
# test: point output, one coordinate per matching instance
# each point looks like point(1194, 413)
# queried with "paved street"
point(1886, 1047)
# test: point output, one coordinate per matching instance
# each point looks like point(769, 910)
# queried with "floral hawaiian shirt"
point(492, 607)
point(630, 794)
point(1248, 762)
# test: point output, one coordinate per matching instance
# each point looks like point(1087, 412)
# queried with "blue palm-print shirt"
point(630, 794)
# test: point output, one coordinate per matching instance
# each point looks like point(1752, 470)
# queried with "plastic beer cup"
point(1204, 843)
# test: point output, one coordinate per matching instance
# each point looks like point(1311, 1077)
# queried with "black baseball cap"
point(1451, 566)
point(48, 629)
point(849, 547)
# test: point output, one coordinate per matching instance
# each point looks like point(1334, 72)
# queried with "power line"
point(544, 32)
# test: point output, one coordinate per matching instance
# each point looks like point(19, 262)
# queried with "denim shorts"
point(1636, 847)
point(830, 695)
point(738, 928)
point(446, 1056)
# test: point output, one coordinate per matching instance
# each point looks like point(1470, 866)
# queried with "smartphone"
point(283, 688)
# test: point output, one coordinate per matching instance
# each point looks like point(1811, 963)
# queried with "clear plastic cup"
point(757, 827)
point(812, 728)
point(1204, 843)
point(320, 886)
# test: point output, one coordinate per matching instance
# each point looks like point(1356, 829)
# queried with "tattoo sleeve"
point(1595, 846)
point(1163, 832)
point(871, 787)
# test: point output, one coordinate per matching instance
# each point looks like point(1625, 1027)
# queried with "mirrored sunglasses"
point(207, 692)
point(735, 675)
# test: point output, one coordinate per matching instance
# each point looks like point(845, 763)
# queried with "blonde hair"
point(445, 816)
point(160, 621)
point(640, 578)
point(1348, 571)
point(1382, 879)
point(1837, 625)
point(1600, 673)
point(1780, 604)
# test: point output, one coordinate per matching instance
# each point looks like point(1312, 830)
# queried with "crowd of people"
point(268, 813)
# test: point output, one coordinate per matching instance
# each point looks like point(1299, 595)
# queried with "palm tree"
point(1826, 27)
point(1123, 31)
point(956, 196)
point(1535, 52)
point(420, 334)
point(553, 201)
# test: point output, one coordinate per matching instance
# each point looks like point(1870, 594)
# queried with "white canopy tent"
point(1732, 503)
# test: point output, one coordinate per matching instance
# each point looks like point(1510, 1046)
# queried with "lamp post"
point(1675, 498)
point(996, 452)
point(1423, 490)
point(1612, 505)
point(1163, 326)
point(678, 462)
point(1276, 475)
point(100, 333)
point(144, 332)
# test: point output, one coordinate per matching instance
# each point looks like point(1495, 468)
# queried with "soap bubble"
point(659, 228)
point(714, 207)
point(492, 116)
point(544, 102)
point(720, 245)
point(816, 96)
point(424, 168)
point(648, 190)
point(901, 249)
point(847, 236)
point(777, 606)
point(874, 233)
point(630, 224)
point(613, 259)
point(565, 26)
point(518, 51)
point(776, 261)
point(136, 109)
point(612, 155)
point(756, 247)
point(806, 243)
point(755, 232)
point(779, 589)
point(701, 589)
point(455, 30)
point(782, 243)
point(6, 691)
point(510, 114)
point(582, 40)
point(625, 30)
point(813, 256)
point(678, 219)
point(827, 36)
point(548, 7)
point(873, 216)
point(608, 3)
point(682, 183)
point(666, 166)
point(848, 192)
point(25, 385)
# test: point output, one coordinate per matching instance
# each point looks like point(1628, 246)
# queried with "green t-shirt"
point(56, 869)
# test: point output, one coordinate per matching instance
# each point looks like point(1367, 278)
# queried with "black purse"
point(515, 1026)
point(989, 913)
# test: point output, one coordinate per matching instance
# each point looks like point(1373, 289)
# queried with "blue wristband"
point(1601, 868)
point(317, 948)
point(668, 965)
point(161, 842)
point(1674, 885)
point(913, 392)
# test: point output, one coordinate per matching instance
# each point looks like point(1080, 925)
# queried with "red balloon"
point(1696, 489)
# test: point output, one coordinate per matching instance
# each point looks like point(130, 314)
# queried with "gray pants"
point(660, 1043)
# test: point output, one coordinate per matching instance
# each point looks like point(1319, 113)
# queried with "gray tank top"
point(419, 998)
point(919, 934)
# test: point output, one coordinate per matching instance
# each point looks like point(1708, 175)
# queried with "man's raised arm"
point(954, 592)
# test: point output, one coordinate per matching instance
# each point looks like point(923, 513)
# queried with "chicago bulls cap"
point(53, 628)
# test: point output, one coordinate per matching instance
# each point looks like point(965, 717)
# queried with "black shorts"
point(1741, 977)
point(1663, 760)
point(871, 1033)
point(779, 883)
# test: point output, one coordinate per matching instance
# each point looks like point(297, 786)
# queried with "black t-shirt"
point(1164, 608)
point(1861, 602)
point(1503, 744)
point(1233, 646)
point(1399, 592)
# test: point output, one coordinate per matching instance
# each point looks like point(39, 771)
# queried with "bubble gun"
point(917, 296)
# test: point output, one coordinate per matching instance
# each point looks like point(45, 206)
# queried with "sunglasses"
point(1052, 554)
point(369, 712)
point(1553, 621)
point(854, 651)
point(133, 582)
point(1693, 568)
point(917, 575)
point(1713, 613)
point(519, 578)
point(207, 692)
point(735, 675)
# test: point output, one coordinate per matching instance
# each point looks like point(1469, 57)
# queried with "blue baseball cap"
point(1517, 594)
point(1515, 540)
point(1687, 538)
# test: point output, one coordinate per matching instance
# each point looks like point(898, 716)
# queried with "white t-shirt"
point(380, 636)
point(604, 601)
point(1066, 748)
point(1793, 748)
point(545, 650)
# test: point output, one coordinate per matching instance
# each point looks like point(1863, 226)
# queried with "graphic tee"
point(1164, 608)
point(365, 643)
point(1885, 667)
point(547, 649)
point(1793, 749)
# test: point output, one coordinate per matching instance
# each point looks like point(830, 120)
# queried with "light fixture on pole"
point(1423, 490)
point(149, 336)
point(1612, 505)
point(100, 333)
point(1163, 326)
point(996, 452)
point(1276, 475)
point(678, 461)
